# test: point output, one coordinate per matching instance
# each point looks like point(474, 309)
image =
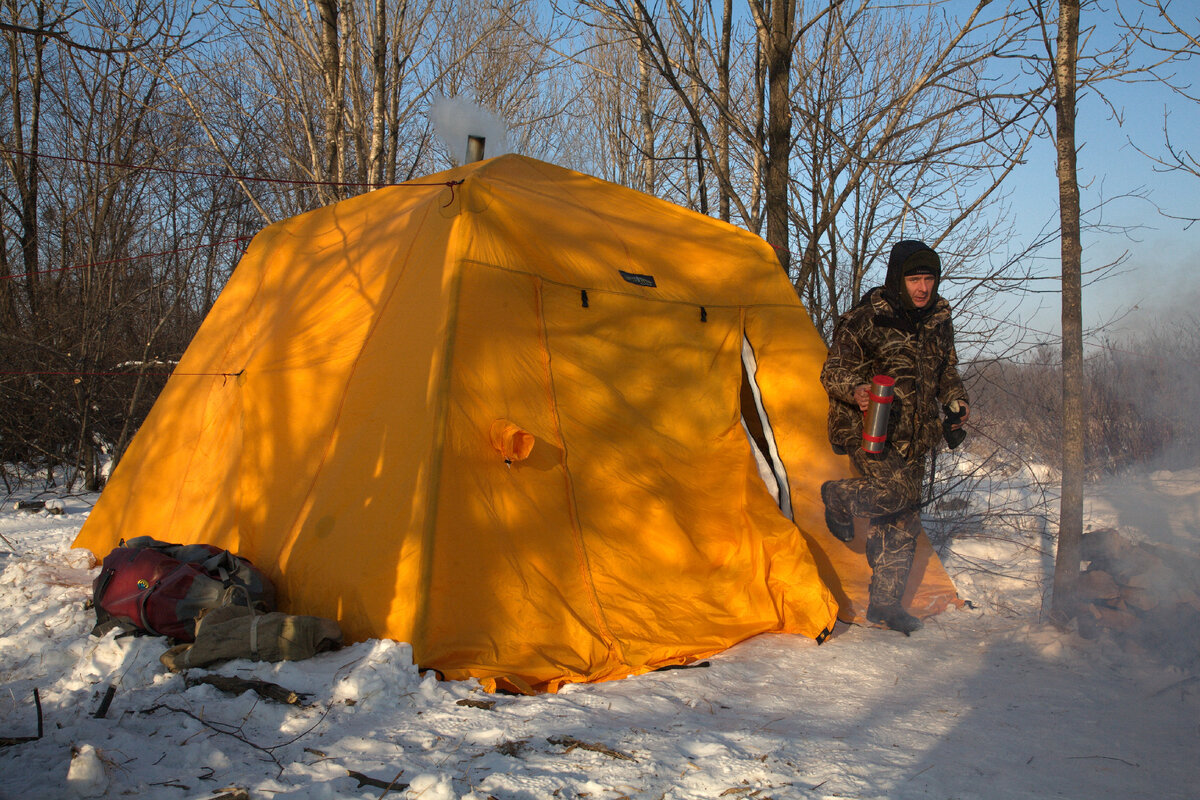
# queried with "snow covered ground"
point(986, 702)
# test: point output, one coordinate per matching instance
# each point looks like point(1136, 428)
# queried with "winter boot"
point(840, 524)
point(894, 617)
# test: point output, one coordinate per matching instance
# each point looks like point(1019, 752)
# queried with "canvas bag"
point(146, 585)
point(233, 632)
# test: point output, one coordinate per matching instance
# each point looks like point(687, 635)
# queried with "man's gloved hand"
point(952, 429)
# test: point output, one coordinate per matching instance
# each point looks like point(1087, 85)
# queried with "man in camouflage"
point(901, 329)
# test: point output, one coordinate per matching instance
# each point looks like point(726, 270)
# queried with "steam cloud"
point(455, 119)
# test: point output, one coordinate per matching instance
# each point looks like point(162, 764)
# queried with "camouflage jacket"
point(874, 338)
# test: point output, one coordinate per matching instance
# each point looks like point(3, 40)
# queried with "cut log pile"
point(1144, 594)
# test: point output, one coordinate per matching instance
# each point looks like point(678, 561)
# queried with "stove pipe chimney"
point(475, 145)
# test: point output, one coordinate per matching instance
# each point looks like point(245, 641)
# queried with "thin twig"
point(219, 728)
point(11, 546)
point(1106, 758)
point(570, 742)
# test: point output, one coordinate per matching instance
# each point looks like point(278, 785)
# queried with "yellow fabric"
point(441, 414)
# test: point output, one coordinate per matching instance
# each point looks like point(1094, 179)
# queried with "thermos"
point(876, 420)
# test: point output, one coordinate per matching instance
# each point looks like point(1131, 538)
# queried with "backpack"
point(148, 586)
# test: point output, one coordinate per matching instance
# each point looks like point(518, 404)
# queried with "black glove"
point(954, 436)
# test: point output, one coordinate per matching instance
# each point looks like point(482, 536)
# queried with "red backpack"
point(155, 587)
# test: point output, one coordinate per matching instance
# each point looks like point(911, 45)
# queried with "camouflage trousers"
point(889, 495)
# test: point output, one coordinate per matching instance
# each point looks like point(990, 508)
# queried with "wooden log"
point(1101, 546)
point(1161, 585)
point(1139, 598)
point(1116, 619)
point(1096, 584)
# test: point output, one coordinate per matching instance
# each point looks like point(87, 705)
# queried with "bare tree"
point(776, 21)
point(725, 94)
point(340, 89)
point(644, 109)
point(26, 55)
point(624, 123)
point(109, 303)
point(903, 132)
point(1070, 531)
point(330, 65)
point(1076, 68)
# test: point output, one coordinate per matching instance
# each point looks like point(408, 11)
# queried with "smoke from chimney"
point(469, 131)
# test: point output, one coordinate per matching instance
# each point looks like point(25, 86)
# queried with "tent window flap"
point(758, 430)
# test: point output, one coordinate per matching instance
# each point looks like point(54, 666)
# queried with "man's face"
point(919, 288)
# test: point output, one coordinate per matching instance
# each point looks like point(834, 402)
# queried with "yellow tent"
point(497, 413)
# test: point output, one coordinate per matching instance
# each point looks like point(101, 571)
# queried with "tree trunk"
point(331, 69)
point(758, 163)
point(379, 64)
point(723, 94)
point(645, 113)
point(24, 162)
point(779, 126)
point(1070, 530)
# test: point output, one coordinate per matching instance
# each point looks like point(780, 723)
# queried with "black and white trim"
point(777, 473)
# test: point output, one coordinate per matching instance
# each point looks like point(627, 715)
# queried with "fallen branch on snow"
point(231, 685)
point(367, 780)
point(570, 742)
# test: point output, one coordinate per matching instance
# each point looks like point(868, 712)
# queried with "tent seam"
point(572, 506)
point(441, 403)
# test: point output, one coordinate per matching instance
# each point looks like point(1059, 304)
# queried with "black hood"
point(907, 257)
